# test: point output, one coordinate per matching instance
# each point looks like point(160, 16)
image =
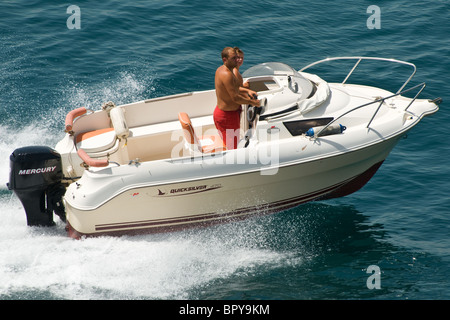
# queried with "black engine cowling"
point(35, 177)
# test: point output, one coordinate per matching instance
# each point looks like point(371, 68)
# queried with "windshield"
point(297, 83)
point(269, 69)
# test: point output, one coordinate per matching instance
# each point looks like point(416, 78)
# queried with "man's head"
point(229, 57)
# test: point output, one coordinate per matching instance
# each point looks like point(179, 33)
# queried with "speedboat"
point(160, 165)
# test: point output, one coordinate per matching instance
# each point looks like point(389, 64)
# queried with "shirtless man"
point(229, 99)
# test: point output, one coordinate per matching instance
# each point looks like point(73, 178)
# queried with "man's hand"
point(252, 94)
point(256, 103)
point(254, 97)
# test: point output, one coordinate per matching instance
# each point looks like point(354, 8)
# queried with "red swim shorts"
point(228, 123)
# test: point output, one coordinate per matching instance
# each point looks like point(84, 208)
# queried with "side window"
point(297, 128)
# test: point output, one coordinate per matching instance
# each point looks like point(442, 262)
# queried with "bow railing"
point(380, 100)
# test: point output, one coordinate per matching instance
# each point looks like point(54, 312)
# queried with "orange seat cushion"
point(96, 140)
point(90, 134)
point(207, 144)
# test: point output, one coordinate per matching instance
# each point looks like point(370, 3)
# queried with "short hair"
point(238, 50)
point(226, 51)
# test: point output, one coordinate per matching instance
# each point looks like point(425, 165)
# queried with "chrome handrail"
point(359, 59)
point(381, 100)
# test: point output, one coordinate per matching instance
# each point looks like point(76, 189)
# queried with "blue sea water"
point(126, 51)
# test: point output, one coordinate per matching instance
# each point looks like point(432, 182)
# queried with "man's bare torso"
point(225, 81)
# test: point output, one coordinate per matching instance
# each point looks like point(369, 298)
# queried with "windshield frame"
point(270, 69)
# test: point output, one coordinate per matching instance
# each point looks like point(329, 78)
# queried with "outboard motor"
point(35, 177)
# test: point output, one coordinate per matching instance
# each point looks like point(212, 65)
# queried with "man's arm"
point(246, 91)
point(235, 92)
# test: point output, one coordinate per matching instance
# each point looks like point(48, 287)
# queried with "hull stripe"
point(172, 224)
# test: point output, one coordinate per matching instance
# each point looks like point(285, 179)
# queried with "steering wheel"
point(252, 111)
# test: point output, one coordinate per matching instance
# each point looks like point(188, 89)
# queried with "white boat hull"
point(149, 167)
point(201, 202)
